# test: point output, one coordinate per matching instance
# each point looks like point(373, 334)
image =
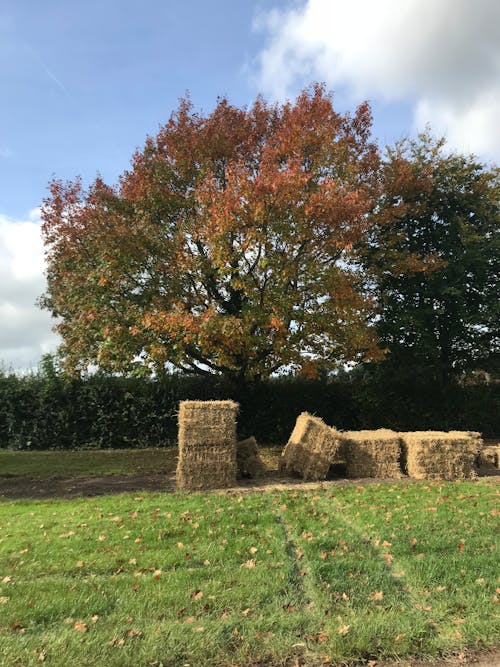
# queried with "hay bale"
point(372, 453)
point(311, 449)
point(248, 461)
point(207, 445)
point(489, 457)
point(441, 455)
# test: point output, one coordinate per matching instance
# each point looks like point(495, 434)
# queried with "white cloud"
point(442, 54)
point(25, 330)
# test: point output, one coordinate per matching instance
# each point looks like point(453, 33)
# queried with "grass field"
point(341, 575)
point(81, 463)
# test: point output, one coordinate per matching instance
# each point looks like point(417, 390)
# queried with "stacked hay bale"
point(207, 445)
point(489, 457)
point(441, 455)
point(248, 461)
point(372, 453)
point(311, 449)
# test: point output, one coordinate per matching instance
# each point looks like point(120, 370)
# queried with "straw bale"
point(207, 445)
point(311, 449)
point(372, 453)
point(490, 456)
point(248, 461)
point(440, 454)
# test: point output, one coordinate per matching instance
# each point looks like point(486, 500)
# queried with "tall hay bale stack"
point(248, 461)
point(372, 453)
point(489, 457)
point(311, 448)
point(441, 455)
point(207, 445)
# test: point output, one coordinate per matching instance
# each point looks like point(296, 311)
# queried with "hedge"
point(40, 412)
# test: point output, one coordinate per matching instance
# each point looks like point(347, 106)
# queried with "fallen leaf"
point(6, 580)
point(4, 599)
point(80, 626)
point(197, 595)
point(249, 564)
point(253, 550)
point(157, 574)
point(323, 555)
point(95, 618)
point(134, 633)
point(245, 612)
point(376, 595)
point(299, 553)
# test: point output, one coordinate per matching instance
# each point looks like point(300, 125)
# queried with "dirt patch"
point(88, 487)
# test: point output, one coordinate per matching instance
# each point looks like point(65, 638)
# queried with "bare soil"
point(13, 487)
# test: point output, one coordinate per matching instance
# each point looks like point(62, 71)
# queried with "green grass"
point(83, 463)
point(339, 575)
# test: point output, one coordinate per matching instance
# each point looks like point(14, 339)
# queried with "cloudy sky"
point(83, 83)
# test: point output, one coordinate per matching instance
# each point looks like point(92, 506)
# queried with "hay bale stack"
point(248, 461)
point(311, 449)
point(372, 453)
point(489, 457)
point(207, 445)
point(441, 455)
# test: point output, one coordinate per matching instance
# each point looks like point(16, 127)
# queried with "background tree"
point(224, 249)
point(434, 253)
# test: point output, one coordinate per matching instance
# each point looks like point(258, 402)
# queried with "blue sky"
point(83, 83)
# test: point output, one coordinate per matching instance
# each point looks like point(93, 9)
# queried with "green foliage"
point(56, 412)
point(434, 255)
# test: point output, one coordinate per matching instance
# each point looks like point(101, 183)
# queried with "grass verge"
point(342, 575)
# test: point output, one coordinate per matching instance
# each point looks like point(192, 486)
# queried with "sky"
point(83, 83)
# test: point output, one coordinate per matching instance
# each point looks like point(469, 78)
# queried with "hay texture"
point(441, 455)
point(489, 457)
point(207, 445)
point(311, 449)
point(248, 461)
point(372, 453)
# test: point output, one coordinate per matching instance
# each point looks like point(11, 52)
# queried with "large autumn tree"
point(434, 254)
point(226, 248)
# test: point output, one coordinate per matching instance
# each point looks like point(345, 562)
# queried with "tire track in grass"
point(448, 557)
point(308, 596)
point(364, 598)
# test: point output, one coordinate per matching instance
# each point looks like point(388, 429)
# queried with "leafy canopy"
point(434, 254)
point(226, 248)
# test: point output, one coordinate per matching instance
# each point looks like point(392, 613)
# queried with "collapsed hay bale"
point(207, 445)
point(489, 457)
point(311, 449)
point(441, 455)
point(372, 453)
point(248, 461)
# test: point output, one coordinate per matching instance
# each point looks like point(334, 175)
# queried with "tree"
point(434, 254)
point(224, 249)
